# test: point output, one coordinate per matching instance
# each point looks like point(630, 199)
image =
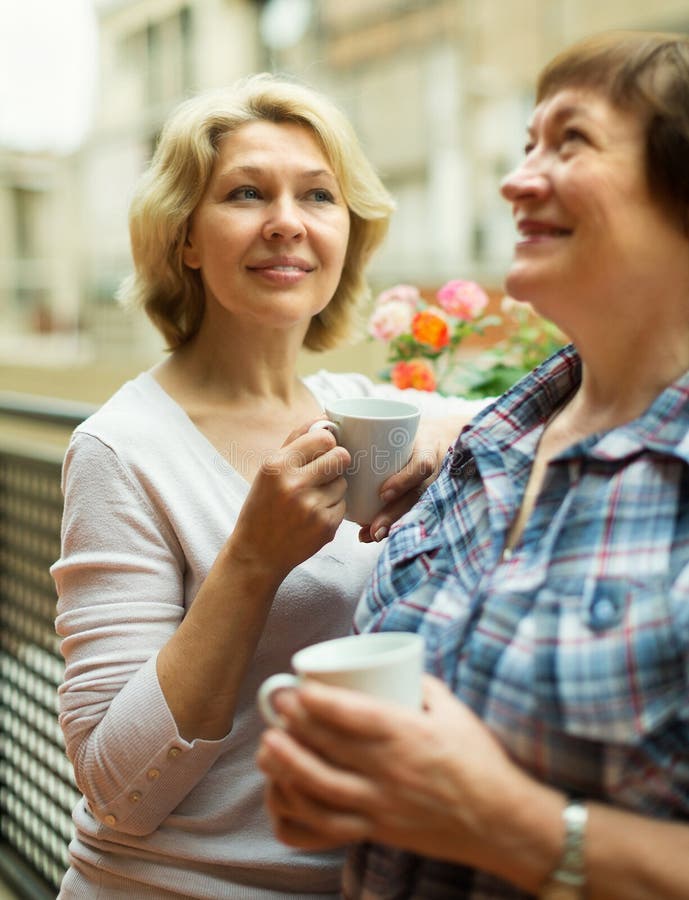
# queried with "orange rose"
point(431, 328)
point(416, 373)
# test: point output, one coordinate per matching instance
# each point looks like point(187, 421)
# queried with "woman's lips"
point(282, 270)
point(282, 262)
point(532, 229)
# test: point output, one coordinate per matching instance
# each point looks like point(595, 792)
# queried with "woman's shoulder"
point(135, 412)
point(133, 444)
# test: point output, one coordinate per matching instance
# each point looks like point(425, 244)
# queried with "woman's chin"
point(519, 287)
point(525, 283)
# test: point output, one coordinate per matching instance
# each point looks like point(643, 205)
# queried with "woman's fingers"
point(391, 512)
point(297, 769)
point(315, 453)
point(311, 462)
point(303, 429)
point(365, 736)
point(422, 465)
point(301, 821)
point(436, 693)
point(401, 491)
point(433, 439)
point(346, 712)
point(350, 733)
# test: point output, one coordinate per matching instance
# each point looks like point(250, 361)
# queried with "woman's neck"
point(622, 377)
point(227, 366)
point(631, 350)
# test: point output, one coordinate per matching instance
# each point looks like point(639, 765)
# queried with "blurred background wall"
point(438, 90)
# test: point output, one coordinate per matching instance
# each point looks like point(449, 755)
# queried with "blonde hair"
point(170, 189)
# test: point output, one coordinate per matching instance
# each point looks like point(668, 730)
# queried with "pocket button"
point(603, 612)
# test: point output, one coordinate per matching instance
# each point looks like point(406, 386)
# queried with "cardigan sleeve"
point(120, 584)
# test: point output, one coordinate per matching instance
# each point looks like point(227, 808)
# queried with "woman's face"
point(270, 233)
point(589, 229)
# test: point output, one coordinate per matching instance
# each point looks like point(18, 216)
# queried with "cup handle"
point(332, 427)
point(265, 694)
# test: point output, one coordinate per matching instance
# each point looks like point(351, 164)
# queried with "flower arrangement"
point(424, 338)
point(530, 339)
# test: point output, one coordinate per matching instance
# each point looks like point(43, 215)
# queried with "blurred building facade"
point(153, 53)
point(40, 292)
point(438, 90)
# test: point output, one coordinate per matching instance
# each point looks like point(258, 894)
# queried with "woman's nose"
point(284, 221)
point(528, 179)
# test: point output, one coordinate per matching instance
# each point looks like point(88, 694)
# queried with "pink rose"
point(400, 293)
point(464, 300)
point(390, 320)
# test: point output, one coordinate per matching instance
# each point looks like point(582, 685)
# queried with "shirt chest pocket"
point(609, 661)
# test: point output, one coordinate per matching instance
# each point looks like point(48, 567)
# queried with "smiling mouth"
point(283, 274)
point(285, 268)
point(287, 264)
point(536, 230)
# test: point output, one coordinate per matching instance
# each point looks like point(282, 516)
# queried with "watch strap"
point(568, 880)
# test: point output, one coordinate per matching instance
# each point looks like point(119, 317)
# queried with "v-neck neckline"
point(184, 418)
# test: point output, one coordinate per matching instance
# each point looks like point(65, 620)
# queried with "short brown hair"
point(643, 71)
point(172, 186)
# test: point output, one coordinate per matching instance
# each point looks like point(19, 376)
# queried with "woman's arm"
point(120, 585)
point(437, 783)
point(146, 710)
point(293, 509)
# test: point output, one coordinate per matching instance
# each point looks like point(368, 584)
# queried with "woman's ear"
point(190, 254)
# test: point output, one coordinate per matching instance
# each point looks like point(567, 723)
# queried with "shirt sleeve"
point(120, 584)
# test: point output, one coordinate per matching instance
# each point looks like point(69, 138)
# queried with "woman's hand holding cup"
point(379, 436)
point(295, 504)
point(387, 665)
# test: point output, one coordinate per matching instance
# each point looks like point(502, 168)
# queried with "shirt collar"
point(529, 403)
point(662, 428)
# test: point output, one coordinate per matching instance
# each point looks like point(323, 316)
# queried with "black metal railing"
point(49, 410)
point(37, 790)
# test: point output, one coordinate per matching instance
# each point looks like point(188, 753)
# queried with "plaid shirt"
point(574, 649)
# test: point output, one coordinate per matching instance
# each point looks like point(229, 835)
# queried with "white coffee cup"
point(379, 435)
point(385, 664)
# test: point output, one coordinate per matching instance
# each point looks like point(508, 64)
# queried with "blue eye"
point(320, 195)
point(244, 193)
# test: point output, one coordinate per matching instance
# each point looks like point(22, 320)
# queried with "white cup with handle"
point(385, 664)
point(379, 436)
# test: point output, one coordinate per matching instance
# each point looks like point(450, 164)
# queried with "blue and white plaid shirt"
point(574, 649)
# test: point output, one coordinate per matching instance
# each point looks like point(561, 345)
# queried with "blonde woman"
point(203, 539)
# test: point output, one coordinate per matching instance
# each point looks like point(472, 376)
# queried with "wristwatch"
point(568, 880)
